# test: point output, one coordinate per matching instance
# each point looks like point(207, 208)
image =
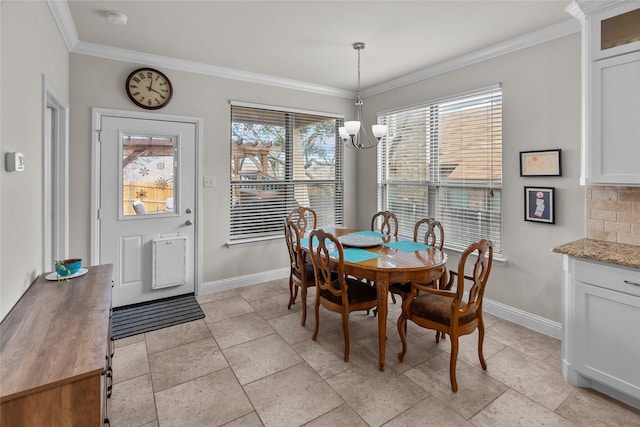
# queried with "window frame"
point(429, 169)
point(287, 185)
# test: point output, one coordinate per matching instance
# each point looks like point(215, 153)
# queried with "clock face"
point(149, 88)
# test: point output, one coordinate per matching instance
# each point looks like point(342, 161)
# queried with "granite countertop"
point(603, 251)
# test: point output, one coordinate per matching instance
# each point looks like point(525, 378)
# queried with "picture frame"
point(541, 163)
point(539, 204)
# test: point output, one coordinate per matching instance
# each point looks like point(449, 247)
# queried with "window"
point(282, 159)
point(148, 169)
point(443, 159)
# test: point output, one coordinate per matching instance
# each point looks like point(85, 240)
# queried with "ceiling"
point(311, 41)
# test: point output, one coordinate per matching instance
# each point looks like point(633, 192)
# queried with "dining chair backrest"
point(433, 234)
point(292, 238)
point(304, 218)
point(321, 244)
point(385, 222)
point(476, 279)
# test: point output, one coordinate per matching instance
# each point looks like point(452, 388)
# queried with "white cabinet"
point(614, 120)
point(611, 91)
point(601, 346)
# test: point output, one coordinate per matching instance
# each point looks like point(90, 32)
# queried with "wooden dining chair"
point(304, 218)
point(385, 222)
point(431, 233)
point(447, 311)
point(301, 274)
point(338, 293)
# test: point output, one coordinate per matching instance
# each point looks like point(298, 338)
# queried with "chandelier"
point(353, 133)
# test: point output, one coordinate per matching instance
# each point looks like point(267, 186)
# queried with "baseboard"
point(523, 318)
point(241, 281)
point(520, 317)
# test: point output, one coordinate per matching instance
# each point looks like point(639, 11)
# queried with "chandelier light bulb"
point(352, 127)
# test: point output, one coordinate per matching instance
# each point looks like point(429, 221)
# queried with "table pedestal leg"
point(382, 285)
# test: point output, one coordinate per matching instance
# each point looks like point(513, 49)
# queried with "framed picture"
point(539, 204)
point(541, 163)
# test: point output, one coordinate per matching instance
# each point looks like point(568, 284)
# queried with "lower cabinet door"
point(607, 341)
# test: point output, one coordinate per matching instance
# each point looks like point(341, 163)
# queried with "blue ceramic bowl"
point(69, 267)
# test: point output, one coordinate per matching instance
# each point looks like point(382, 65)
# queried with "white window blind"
point(281, 160)
point(443, 159)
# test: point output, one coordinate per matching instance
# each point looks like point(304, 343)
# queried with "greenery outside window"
point(443, 159)
point(282, 159)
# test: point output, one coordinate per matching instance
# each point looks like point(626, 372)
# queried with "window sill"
point(254, 240)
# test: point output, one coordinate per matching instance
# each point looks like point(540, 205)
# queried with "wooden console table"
point(55, 353)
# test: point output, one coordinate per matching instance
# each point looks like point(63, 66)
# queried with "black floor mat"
point(150, 316)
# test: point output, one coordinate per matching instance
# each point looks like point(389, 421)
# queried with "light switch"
point(14, 162)
point(209, 181)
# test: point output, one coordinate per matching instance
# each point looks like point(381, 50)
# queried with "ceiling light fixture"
point(353, 133)
point(117, 18)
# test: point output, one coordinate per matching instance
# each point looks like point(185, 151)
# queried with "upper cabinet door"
point(615, 30)
point(614, 120)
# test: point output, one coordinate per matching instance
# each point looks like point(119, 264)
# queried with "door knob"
point(188, 210)
point(189, 222)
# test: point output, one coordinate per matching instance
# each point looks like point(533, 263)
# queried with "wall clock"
point(148, 88)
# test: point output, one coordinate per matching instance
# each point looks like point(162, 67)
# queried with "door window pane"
point(148, 171)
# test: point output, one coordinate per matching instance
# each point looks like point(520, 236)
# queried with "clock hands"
point(150, 88)
point(153, 90)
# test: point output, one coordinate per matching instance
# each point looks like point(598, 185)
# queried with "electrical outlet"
point(209, 181)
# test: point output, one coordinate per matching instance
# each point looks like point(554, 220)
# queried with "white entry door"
point(147, 204)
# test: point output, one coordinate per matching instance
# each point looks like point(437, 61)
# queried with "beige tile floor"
point(249, 362)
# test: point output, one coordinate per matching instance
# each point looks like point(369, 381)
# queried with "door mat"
point(153, 315)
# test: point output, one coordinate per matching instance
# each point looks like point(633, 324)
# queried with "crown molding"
point(64, 20)
point(118, 54)
point(533, 38)
point(62, 15)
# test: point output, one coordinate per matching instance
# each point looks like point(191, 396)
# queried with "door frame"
point(96, 117)
point(55, 177)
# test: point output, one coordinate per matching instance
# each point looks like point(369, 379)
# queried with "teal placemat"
point(407, 245)
point(370, 233)
point(304, 242)
point(354, 255)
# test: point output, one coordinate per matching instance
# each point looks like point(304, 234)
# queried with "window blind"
point(443, 159)
point(281, 160)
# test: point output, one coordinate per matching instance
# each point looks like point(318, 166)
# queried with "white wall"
point(198, 96)
point(31, 47)
point(541, 110)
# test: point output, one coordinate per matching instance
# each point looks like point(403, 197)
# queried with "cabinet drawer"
point(616, 278)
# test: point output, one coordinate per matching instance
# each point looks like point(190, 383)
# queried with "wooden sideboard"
point(55, 353)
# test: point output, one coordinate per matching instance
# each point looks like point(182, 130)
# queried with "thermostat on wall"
point(14, 162)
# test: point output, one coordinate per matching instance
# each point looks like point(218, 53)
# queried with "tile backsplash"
point(613, 214)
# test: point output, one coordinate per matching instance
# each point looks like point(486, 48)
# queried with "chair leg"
point(402, 331)
point(483, 363)
point(345, 330)
point(303, 299)
point(317, 310)
point(292, 297)
point(452, 364)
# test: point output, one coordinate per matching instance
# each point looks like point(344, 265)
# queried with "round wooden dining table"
point(392, 266)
